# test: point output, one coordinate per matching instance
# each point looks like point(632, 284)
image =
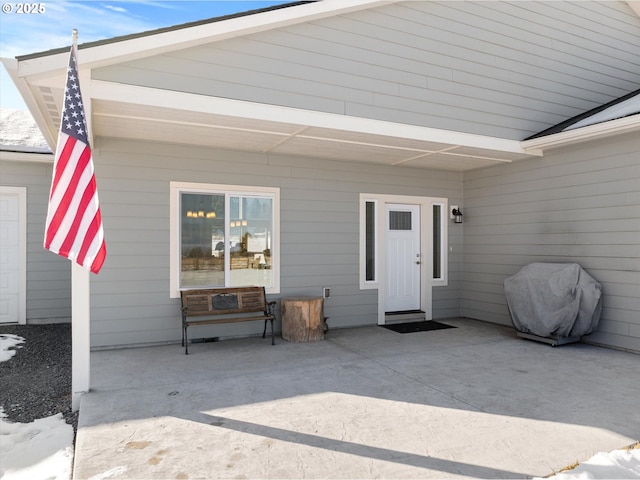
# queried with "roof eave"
point(98, 54)
point(591, 132)
point(16, 155)
point(11, 66)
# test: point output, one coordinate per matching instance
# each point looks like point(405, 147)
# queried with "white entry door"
point(12, 257)
point(403, 257)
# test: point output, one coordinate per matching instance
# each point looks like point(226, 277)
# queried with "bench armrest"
point(271, 306)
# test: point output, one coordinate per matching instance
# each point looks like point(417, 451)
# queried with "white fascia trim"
point(109, 91)
point(145, 46)
point(26, 157)
point(583, 134)
point(11, 66)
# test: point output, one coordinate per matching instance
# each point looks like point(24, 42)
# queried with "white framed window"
point(368, 243)
point(224, 236)
point(439, 242)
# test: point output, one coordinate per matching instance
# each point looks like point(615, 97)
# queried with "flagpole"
point(80, 319)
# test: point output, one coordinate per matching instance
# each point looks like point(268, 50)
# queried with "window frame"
point(178, 188)
point(442, 281)
point(364, 283)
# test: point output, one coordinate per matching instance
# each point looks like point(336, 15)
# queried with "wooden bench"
point(225, 305)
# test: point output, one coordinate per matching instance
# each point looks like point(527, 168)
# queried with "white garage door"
point(13, 254)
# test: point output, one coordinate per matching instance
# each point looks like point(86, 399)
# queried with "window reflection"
point(202, 240)
point(226, 240)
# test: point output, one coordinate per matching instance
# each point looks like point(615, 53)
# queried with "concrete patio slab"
point(470, 402)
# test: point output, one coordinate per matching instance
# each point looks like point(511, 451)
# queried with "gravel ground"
point(36, 381)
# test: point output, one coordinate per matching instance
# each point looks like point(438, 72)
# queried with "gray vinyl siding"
point(578, 204)
point(48, 275)
point(319, 231)
point(492, 68)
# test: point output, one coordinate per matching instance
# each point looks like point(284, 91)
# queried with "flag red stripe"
point(92, 233)
point(93, 229)
point(66, 200)
point(100, 256)
point(87, 196)
point(61, 162)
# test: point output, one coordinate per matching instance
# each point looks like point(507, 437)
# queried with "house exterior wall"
point(319, 230)
point(504, 69)
point(577, 204)
point(48, 275)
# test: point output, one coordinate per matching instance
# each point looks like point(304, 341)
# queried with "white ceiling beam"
point(132, 94)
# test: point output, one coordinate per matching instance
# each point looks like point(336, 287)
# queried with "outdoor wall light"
point(457, 215)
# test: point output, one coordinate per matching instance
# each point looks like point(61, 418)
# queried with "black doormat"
point(421, 326)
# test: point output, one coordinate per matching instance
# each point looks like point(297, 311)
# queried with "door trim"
point(412, 273)
point(426, 247)
point(21, 193)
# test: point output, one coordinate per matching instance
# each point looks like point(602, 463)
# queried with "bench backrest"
point(224, 300)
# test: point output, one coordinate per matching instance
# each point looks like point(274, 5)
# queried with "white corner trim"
point(109, 91)
point(591, 132)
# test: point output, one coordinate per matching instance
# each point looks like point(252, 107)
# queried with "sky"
point(51, 26)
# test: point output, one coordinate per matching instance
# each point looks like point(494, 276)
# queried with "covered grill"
point(553, 302)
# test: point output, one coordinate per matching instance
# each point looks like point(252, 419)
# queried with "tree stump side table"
point(302, 319)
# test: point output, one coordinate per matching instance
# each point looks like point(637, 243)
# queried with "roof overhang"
point(141, 113)
point(148, 114)
point(132, 47)
point(16, 155)
point(591, 132)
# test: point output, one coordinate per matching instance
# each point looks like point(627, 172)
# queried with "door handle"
point(418, 262)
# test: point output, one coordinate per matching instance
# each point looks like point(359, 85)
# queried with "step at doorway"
point(404, 316)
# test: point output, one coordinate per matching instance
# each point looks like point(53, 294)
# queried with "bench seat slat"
point(212, 321)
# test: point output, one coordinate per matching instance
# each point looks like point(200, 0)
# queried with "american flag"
point(74, 225)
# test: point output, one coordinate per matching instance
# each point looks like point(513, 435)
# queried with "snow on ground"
point(43, 449)
point(8, 341)
point(40, 450)
point(612, 465)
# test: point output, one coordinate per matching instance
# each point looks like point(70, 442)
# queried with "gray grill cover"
point(554, 299)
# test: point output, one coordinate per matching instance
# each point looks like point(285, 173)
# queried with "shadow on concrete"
point(476, 399)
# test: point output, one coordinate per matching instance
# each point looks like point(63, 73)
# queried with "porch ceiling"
point(141, 113)
point(158, 124)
